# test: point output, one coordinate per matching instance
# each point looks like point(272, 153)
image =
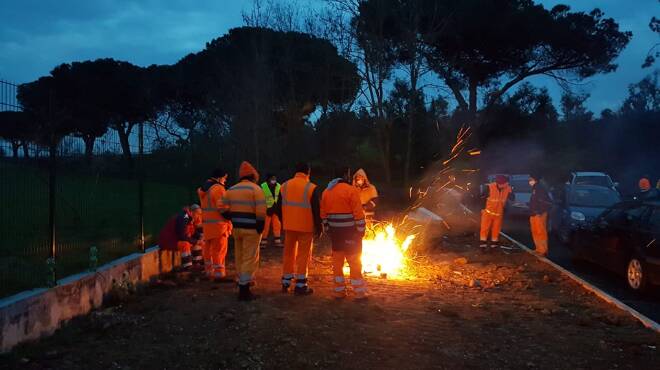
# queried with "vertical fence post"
point(141, 185)
point(52, 189)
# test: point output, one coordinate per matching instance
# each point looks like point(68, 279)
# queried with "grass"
point(90, 211)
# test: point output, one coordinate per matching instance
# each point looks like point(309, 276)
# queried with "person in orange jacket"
point(343, 220)
point(368, 194)
point(216, 228)
point(496, 194)
point(246, 208)
point(299, 209)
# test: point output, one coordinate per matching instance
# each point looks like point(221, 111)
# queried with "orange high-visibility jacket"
point(246, 205)
point(210, 199)
point(296, 198)
point(497, 199)
point(341, 206)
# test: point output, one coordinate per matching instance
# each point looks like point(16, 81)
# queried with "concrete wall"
point(32, 314)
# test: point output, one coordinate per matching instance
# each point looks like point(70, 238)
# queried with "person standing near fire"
point(246, 208)
point(343, 219)
point(299, 206)
point(368, 194)
point(539, 206)
point(271, 189)
point(496, 194)
point(216, 228)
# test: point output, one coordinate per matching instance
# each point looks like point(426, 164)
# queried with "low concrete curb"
point(597, 291)
point(39, 312)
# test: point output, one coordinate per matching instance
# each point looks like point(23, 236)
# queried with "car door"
point(590, 238)
point(622, 237)
point(650, 235)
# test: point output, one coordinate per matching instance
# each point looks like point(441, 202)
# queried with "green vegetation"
point(90, 211)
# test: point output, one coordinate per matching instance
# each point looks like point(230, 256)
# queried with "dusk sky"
point(36, 35)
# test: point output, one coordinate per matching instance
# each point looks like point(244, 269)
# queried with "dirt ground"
point(460, 308)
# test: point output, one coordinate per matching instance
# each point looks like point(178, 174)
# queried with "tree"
point(268, 81)
point(405, 25)
point(497, 44)
point(643, 96)
point(654, 25)
point(84, 96)
point(573, 108)
point(43, 101)
point(15, 127)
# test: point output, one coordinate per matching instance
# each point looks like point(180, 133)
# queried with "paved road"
point(649, 305)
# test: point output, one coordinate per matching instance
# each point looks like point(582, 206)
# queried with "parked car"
point(624, 239)
point(522, 193)
point(592, 178)
point(577, 205)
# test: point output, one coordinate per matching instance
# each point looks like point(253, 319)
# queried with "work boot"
point(263, 244)
point(244, 294)
point(302, 288)
point(494, 244)
point(278, 242)
point(286, 282)
point(483, 244)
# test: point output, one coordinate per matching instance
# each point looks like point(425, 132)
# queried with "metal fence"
point(65, 213)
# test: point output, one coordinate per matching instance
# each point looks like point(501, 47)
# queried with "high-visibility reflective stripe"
point(342, 224)
point(340, 216)
point(305, 198)
point(340, 289)
point(244, 220)
point(185, 254)
point(357, 282)
point(212, 222)
point(231, 202)
point(360, 222)
point(287, 276)
point(492, 213)
point(301, 276)
point(241, 187)
point(244, 279)
point(360, 290)
point(340, 279)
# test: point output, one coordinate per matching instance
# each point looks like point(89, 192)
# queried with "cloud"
point(39, 35)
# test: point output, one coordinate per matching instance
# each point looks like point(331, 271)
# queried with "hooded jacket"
point(368, 192)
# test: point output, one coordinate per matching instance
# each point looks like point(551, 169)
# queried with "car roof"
point(586, 173)
point(591, 187)
point(519, 177)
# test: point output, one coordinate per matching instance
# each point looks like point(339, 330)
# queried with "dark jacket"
point(540, 201)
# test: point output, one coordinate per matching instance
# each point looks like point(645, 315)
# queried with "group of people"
point(496, 194)
point(499, 191)
point(248, 212)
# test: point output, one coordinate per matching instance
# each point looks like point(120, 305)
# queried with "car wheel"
point(636, 275)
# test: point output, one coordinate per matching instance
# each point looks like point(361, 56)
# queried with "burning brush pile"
point(438, 209)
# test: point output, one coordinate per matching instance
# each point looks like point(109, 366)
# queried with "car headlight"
point(578, 216)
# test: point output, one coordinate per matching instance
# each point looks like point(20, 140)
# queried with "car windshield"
point(593, 180)
point(521, 186)
point(593, 197)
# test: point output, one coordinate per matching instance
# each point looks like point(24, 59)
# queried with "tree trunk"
point(14, 148)
point(124, 132)
point(89, 147)
point(26, 149)
point(473, 100)
point(411, 122)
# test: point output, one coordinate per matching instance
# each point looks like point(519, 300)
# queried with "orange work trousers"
point(538, 225)
point(297, 253)
point(277, 227)
point(355, 266)
point(215, 253)
point(492, 224)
